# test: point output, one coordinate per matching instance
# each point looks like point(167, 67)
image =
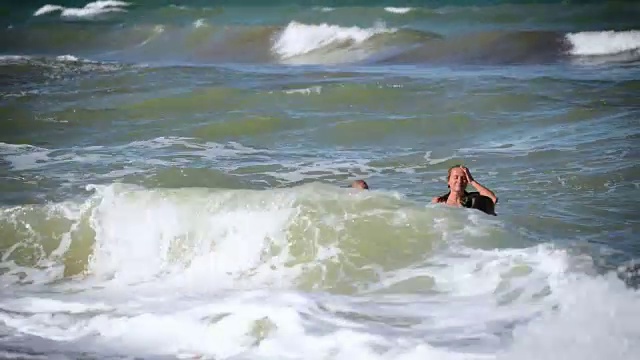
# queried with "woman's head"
point(456, 179)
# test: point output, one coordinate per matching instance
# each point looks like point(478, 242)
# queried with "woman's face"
point(457, 180)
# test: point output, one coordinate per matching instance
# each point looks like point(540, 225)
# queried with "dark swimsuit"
point(467, 199)
point(473, 200)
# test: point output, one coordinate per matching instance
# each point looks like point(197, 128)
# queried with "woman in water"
point(457, 180)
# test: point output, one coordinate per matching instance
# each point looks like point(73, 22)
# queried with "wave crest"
point(594, 43)
point(90, 10)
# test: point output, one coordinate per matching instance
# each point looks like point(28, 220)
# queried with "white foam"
point(146, 154)
point(300, 166)
point(43, 305)
point(430, 161)
point(306, 91)
point(12, 58)
point(140, 235)
point(316, 168)
point(89, 10)
point(298, 39)
point(23, 156)
point(592, 43)
point(28, 157)
point(201, 273)
point(290, 165)
point(67, 58)
point(199, 23)
point(60, 58)
point(595, 318)
point(482, 272)
point(48, 9)
point(139, 155)
point(21, 356)
point(397, 10)
point(224, 327)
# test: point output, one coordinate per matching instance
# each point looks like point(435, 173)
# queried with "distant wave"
point(299, 39)
point(397, 10)
point(203, 41)
point(593, 43)
point(19, 70)
point(88, 11)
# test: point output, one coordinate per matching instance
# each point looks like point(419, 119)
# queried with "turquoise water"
point(173, 179)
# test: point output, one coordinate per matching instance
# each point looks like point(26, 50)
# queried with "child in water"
point(360, 184)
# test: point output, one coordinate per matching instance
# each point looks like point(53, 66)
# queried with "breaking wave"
point(257, 267)
point(204, 42)
point(90, 10)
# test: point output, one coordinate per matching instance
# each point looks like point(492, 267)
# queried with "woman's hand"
point(481, 189)
point(467, 174)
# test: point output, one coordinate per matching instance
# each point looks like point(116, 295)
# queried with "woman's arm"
point(481, 189)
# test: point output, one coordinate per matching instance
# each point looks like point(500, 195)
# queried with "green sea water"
point(173, 179)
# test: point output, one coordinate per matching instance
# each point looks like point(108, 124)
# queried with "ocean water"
point(173, 180)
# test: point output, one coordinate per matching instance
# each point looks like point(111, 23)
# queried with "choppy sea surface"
point(173, 180)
